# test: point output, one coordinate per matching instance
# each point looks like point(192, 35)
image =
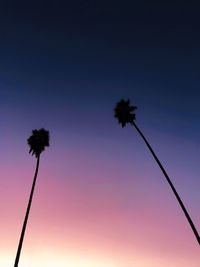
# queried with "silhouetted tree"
point(37, 142)
point(124, 112)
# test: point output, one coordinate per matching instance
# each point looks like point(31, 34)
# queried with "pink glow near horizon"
point(72, 218)
point(86, 216)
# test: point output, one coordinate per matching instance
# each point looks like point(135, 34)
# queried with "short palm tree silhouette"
point(37, 142)
point(124, 113)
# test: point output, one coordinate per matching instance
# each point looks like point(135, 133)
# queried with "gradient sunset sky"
point(100, 199)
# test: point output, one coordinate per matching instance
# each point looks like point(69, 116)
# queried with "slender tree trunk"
point(26, 216)
point(170, 183)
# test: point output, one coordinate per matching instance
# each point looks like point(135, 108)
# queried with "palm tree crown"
point(124, 112)
point(38, 141)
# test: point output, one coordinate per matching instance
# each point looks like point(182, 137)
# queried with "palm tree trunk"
point(170, 183)
point(27, 214)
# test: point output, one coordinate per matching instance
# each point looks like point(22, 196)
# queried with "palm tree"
point(37, 142)
point(124, 113)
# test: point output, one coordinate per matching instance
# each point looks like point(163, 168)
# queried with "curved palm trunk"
point(26, 216)
point(170, 183)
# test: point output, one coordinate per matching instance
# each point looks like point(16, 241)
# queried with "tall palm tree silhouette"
point(37, 142)
point(124, 113)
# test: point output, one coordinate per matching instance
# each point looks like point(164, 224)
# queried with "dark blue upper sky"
point(87, 40)
point(94, 52)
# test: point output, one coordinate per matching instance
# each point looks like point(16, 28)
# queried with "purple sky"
point(100, 200)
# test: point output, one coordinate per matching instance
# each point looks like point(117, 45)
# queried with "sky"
point(100, 199)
